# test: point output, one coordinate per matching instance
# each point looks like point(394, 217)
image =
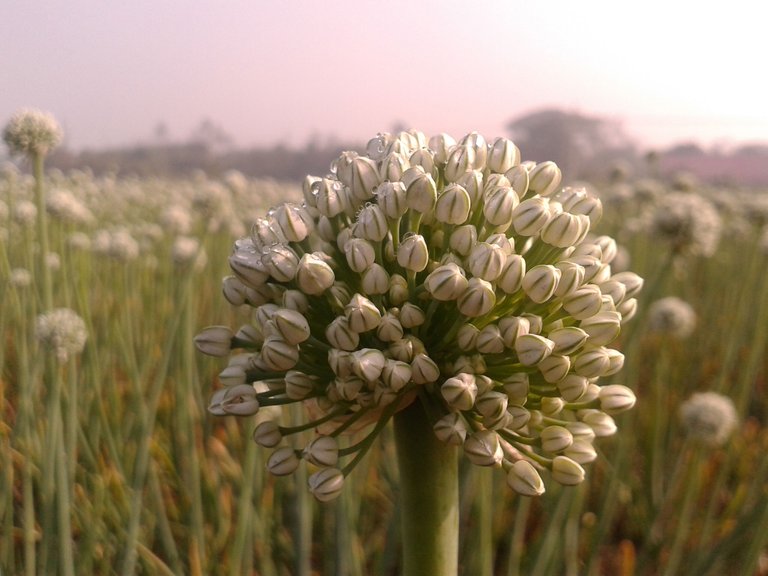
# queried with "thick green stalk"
point(429, 484)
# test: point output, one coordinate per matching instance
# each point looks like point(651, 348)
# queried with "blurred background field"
point(155, 485)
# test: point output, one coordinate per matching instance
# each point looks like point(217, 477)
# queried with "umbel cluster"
point(450, 273)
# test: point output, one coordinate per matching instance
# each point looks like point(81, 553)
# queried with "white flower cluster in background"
point(62, 331)
point(450, 273)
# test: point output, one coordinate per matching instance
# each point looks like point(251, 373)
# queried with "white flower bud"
point(267, 434)
point(632, 281)
point(476, 141)
point(424, 370)
point(214, 341)
point(281, 262)
point(483, 448)
point(420, 189)
point(524, 479)
point(531, 215)
point(462, 239)
point(565, 229)
point(390, 329)
point(581, 451)
point(411, 316)
point(554, 367)
point(486, 261)
point(616, 398)
point(392, 167)
point(532, 348)
point(340, 362)
point(371, 224)
point(322, 451)
point(359, 253)
point(502, 155)
point(461, 159)
point(441, 144)
point(499, 204)
point(489, 340)
point(512, 327)
point(566, 471)
point(518, 177)
point(453, 205)
point(592, 363)
point(293, 326)
point(248, 267)
point(518, 417)
point(571, 278)
point(446, 283)
point(540, 282)
point(398, 289)
point(396, 374)
point(584, 302)
point(424, 157)
point(460, 391)
point(551, 406)
point(368, 363)
point(278, 354)
point(544, 179)
point(283, 461)
point(375, 280)
point(330, 198)
point(299, 385)
point(581, 202)
point(313, 275)
point(232, 375)
point(602, 328)
point(572, 387)
point(294, 222)
point(627, 309)
point(451, 429)
point(362, 314)
point(340, 335)
point(615, 362)
point(555, 439)
point(359, 174)
point(615, 290)
point(512, 273)
point(567, 339)
point(238, 400)
point(413, 253)
point(478, 299)
point(326, 484)
point(600, 422)
point(390, 196)
point(492, 404)
point(466, 338)
point(516, 386)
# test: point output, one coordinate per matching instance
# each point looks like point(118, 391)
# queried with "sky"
point(287, 71)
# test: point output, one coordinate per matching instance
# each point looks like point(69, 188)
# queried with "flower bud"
point(330, 198)
point(483, 448)
point(615, 290)
point(567, 472)
point(283, 461)
point(362, 314)
point(581, 451)
point(602, 328)
point(420, 189)
point(281, 262)
point(294, 222)
point(299, 385)
point(540, 282)
point(214, 341)
point(565, 229)
point(486, 261)
point(424, 370)
point(632, 281)
point(568, 339)
point(518, 417)
point(512, 327)
point(293, 326)
point(396, 374)
point(466, 338)
point(478, 299)
point(413, 253)
point(627, 309)
point(584, 302)
point(340, 335)
point(278, 354)
point(313, 275)
point(616, 398)
point(544, 179)
point(398, 289)
point(555, 439)
point(326, 484)
point(531, 215)
point(461, 159)
point(592, 363)
point(572, 387)
point(375, 280)
point(411, 316)
point(554, 367)
point(518, 177)
point(462, 239)
point(446, 282)
point(359, 253)
point(451, 429)
point(460, 391)
point(390, 196)
point(371, 224)
point(359, 174)
point(238, 400)
point(499, 204)
point(615, 362)
point(489, 340)
point(232, 375)
point(424, 157)
point(492, 404)
point(267, 434)
point(512, 273)
point(583, 203)
point(532, 348)
point(453, 205)
point(322, 451)
point(368, 363)
point(524, 479)
point(600, 422)
point(502, 155)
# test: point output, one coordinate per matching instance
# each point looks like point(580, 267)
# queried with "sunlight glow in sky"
point(270, 72)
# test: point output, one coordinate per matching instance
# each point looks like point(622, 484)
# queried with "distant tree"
point(581, 145)
point(212, 136)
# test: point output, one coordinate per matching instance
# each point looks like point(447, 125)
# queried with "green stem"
point(429, 481)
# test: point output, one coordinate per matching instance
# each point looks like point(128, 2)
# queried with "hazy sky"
point(283, 70)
